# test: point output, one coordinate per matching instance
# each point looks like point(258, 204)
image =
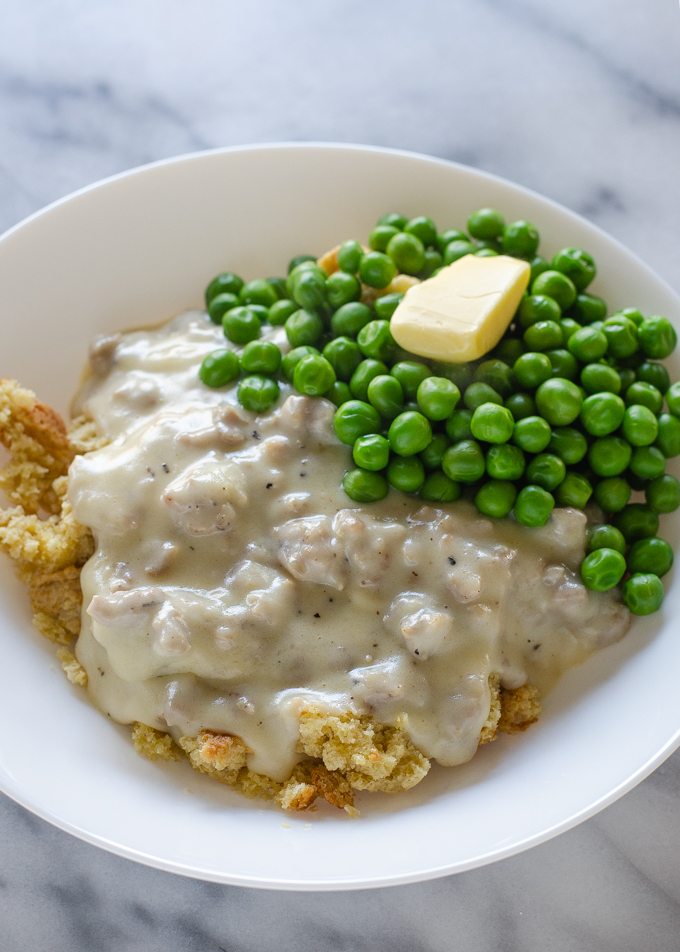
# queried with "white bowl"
point(137, 249)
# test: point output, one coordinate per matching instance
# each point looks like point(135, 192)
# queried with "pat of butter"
point(463, 311)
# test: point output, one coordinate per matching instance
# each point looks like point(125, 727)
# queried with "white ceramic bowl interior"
point(139, 248)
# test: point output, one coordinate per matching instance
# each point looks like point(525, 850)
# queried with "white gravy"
point(234, 583)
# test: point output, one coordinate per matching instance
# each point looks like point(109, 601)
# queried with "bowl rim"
point(14, 791)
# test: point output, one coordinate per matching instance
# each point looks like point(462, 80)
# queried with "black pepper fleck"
point(452, 560)
point(166, 468)
point(192, 548)
point(256, 435)
point(269, 485)
point(317, 615)
point(303, 474)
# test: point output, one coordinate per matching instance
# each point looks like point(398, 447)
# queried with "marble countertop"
point(579, 101)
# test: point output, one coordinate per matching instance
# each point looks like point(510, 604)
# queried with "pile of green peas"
point(567, 409)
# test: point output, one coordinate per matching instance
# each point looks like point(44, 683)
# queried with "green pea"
point(306, 267)
point(533, 506)
point(309, 288)
point(386, 305)
point(257, 394)
point(505, 461)
point(657, 337)
point(464, 462)
point(457, 249)
point(492, 423)
point(663, 493)
point(496, 498)
point(410, 374)
point(627, 376)
point(653, 373)
point(668, 439)
point(408, 252)
point(479, 393)
point(587, 345)
point(602, 413)
point(446, 237)
point(650, 555)
point(279, 286)
point(605, 537)
point(409, 433)
point(350, 254)
point(225, 283)
point(438, 487)
point(292, 358)
point(344, 356)
point(219, 368)
point(260, 357)
point(577, 265)
point(508, 350)
point(569, 327)
point(407, 475)
point(544, 335)
point(460, 374)
point(241, 325)
point(380, 237)
point(603, 569)
point(342, 288)
point(621, 337)
point(423, 228)
point(563, 364)
point(559, 401)
point(349, 319)
point(303, 327)
point(646, 395)
point(376, 269)
point(647, 462)
point(546, 470)
point(600, 378)
point(520, 239)
point(569, 444)
point(371, 452)
point(458, 425)
point(386, 395)
point(637, 521)
point(261, 312)
point(496, 374)
point(538, 307)
point(640, 426)
point(672, 399)
point(587, 309)
point(609, 455)
point(532, 434)
point(556, 285)
point(366, 371)
point(632, 313)
point(339, 393)
point(521, 405)
point(376, 341)
point(437, 397)
point(354, 419)
point(364, 486)
point(280, 311)
point(394, 219)
point(220, 304)
point(612, 494)
point(313, 376)
point(486, 253)
point(538, 266)
point(300, 259)
point(258, 292)
point(486, 223)
point(433, 454)
point(433, 262)
point(643, 594)
point(574, 490)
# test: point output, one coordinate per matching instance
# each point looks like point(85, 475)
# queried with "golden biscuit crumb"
point(520, 708)
point(72, 668)
point(329, 261)
point(154, 744)
point(371, 756)
point(221, 756)
point(297, 795)
point(56, 599)
point(490, 729)
point(83, 435)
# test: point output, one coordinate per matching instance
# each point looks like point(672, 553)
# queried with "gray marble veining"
point(580, 101)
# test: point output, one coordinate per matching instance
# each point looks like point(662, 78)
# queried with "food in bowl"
point(299, 626)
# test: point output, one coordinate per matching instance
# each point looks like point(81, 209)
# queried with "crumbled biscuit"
point(297, 795)
point(221, 756)
point(84, 437)
point(57, 599)
point(489, 731)
point(329, 261)
point(72, 668)
point(520, 708)
point(154, 744)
